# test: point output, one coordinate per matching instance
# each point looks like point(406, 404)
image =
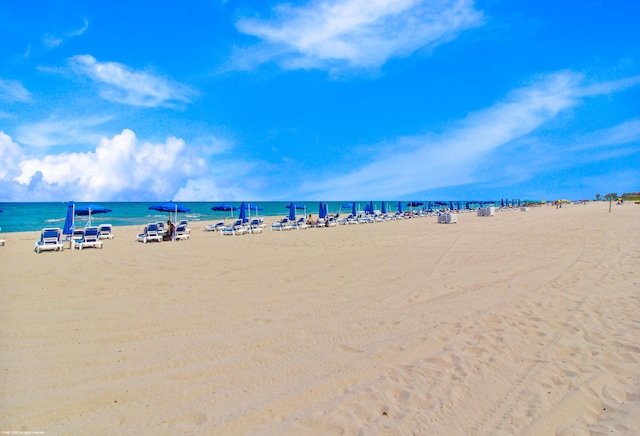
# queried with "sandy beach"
point(521, 323)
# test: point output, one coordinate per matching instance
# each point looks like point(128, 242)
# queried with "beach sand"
point(521, 323)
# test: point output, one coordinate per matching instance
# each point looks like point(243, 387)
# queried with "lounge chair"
point(215, 227)
point(151, 233)
point(240, 228)
point(182, 232)
point(255, 226)
point(227, 231)
point(186, 225)
point(301, 224)
point(105, 231)
point(90, 238)
point(49, 240)
point(161, 229)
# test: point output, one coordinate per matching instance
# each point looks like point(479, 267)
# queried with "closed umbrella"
point(292, 212)
point(243, 213)
point(322, 212)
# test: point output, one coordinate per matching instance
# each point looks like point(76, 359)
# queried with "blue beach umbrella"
point(69, 219)
point(170, 206)
point(253, 207)
point(243, 213)
point(354, 211)
point(383, 207)
point(326, 209)
point(90, 209)
point(292, 212)
point(224, 208)
point(322, 212)
point(400, 206)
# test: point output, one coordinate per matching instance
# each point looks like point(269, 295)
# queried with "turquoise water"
point(23, 217)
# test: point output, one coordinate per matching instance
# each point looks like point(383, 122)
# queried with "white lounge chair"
point(105, 231)
point(182, 232)
point(215, 227)
point(90, 238)
point(151, 233)
point(186, 226)
point(49, 240)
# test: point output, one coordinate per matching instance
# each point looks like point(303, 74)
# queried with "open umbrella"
point(224, 208)
point(253, 207)
point(170, 206)
point(90, 209)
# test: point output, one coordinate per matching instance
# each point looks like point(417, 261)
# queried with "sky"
point(239, 100)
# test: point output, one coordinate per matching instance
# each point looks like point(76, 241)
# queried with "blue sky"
point(318, 100)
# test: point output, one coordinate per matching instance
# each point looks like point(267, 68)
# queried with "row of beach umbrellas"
point(246, 208)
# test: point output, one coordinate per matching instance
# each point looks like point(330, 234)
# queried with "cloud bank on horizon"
point(321, 100)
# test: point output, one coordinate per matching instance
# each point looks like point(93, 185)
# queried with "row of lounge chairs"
point(155, 232)
point(238, 227)
point(51, 238)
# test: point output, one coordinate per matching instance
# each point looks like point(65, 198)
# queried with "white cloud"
point(13, 90)
point(455, 157)
point(623, 133)
point(52, 41)
point(119, 166)
point(357, 33)
point(123, 168)
point(120, 84)
point(10, 156)
point(55, 131)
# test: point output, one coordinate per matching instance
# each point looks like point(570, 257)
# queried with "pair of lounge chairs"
point(87, 237)
point(154, 233)
point(151, 233)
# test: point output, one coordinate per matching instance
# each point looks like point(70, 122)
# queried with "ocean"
point(25, 217)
